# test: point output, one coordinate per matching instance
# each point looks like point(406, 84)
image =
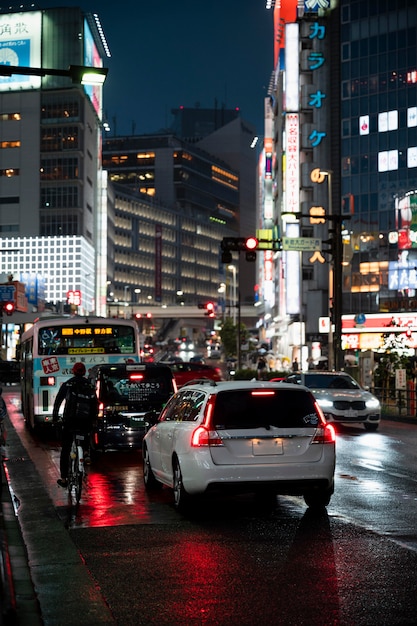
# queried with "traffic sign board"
point(7, 293)
point(301, 244)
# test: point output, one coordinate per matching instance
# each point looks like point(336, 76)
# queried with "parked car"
point(341, 398)
point(187, 371)
point(129, 395)
point(250, 436)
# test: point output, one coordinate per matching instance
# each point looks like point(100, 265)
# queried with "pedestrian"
point(261, 368)
point(295, 367)
point(80, 412)
point(3, 430)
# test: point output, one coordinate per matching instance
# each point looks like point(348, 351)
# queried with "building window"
point(59, 169)
point(14, 117)
point(9, 172)
point(59, 197)
point(58, 225)
point(9, 144)
point(60, 138)
point(61, 110)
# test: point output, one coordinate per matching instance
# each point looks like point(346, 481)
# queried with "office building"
point(341, 129)
point(50, 185)
point(189, 197)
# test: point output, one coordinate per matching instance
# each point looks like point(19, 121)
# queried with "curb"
point(7, 591)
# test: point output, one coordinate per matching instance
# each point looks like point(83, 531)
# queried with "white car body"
point(296, 457)
point(353, 405)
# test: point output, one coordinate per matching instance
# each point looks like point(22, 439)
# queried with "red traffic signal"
point(210, 309)
point(251, 243)
point(8, 307)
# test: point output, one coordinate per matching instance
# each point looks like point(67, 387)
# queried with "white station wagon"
point(261, 437)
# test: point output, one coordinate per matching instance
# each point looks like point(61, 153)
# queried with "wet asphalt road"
point(231, 564)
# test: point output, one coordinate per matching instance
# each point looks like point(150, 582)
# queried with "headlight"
point(373, 403)
point(325, 404)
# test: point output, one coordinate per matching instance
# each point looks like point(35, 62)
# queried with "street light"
point(79, 74)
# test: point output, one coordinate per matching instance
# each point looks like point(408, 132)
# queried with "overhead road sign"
point(301, 244)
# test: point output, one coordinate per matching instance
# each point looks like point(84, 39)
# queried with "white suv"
point(260, 437)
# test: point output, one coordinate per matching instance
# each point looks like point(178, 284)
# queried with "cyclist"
point(80, 411)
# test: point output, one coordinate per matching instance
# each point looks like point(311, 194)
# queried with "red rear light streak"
point(203, 436)
point(325, 432)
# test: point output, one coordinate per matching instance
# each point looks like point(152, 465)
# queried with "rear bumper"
point(118, 439)
point(285, 478)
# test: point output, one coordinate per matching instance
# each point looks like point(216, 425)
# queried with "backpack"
point(80, 404)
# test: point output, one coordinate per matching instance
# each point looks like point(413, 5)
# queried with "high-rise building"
point(188, 194)
point(344, 139)
point(50, 128)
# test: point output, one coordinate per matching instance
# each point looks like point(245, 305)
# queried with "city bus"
point(49, 349)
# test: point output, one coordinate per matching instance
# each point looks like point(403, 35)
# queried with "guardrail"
point(397, 402)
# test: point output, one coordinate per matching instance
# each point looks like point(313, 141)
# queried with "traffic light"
point(8, 307)
point(229, 245)
point(238, 244)
point(331, 242)
point(210, 309)
point(251, 244)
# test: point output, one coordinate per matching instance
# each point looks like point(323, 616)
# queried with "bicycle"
point(76, 471)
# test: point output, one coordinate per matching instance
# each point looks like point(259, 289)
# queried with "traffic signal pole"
point(337, 293)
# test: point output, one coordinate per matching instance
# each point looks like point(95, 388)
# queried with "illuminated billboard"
point(20, 44)
point(92, 59)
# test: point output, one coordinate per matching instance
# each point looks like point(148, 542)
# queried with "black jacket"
point(68, 417)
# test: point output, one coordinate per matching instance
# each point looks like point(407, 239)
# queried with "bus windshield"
point(81, 339)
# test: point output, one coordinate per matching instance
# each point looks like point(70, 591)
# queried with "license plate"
point(351, 413)
point(266, 447)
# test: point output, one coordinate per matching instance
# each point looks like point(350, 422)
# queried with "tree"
point(228, 334)
point(395, 355)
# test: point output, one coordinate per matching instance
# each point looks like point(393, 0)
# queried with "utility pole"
point(337, 293)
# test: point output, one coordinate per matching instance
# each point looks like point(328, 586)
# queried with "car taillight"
point(203, 437)
point(100, 412)
point(325, 433)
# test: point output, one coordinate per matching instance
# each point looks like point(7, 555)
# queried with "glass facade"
point(379, 154)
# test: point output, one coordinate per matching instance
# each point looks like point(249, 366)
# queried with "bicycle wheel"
point(78, 476)
point(72, 468)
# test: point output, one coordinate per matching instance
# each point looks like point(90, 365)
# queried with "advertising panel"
point(92, 59)
point(20, 44)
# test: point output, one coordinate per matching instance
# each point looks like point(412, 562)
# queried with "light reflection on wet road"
point(113, 492)
point(376, 482)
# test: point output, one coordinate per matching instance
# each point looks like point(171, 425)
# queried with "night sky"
point(171, 53)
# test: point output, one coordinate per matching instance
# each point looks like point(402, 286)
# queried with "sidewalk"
point(18, 600)
point(44, 580)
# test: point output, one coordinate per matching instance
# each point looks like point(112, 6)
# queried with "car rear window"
point(262, 408)
point(145, 389)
